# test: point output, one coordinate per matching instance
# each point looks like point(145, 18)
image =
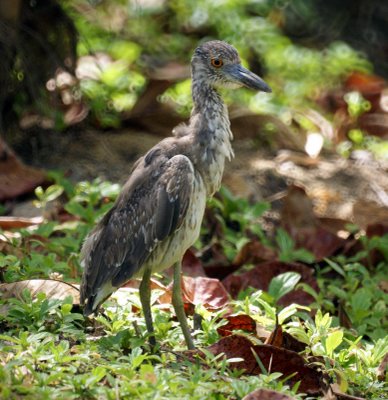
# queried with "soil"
point(353, 189)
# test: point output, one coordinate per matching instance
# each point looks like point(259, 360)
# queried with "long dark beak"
point(240, 75)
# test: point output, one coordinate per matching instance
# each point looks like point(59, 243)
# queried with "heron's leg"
point(177, 302)
point(145, 298)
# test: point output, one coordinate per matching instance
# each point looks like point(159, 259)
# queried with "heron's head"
point(218, 64)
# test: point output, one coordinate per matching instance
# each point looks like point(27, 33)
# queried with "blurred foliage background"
point(112, 64)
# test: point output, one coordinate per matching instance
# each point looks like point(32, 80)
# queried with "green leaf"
point(283, 284)
point(53, 192)
point(335, 266)
point(76, 209)
point(333, 340)
point(289, 311)
point(270, 311)
point(284, 241)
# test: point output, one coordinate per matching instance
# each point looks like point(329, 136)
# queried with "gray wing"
point(150, 208)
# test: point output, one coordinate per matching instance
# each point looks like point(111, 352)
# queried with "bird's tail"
point(88, 307)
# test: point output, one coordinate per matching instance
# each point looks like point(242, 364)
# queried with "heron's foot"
point(152, 340)
point(150, 336)
point(177, 302)
point(151, 346)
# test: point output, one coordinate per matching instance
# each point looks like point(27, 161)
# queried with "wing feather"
point(151, 207)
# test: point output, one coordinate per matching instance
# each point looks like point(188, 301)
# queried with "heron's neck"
point(212, 134)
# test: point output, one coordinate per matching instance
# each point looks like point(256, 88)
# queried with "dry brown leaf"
point(52, 288)
point(219, 266)
point(254, 252)
point(261, 276)
point(192, 265)
point(206, 291)
point(343, 396)
point(276, 337)
point(274, 359)
point(165, 292)
point(19, 222)
point(377, 229)
point(382, 369)
point(318, 240)
point(266, 394)
point(219, 271)
point(199, 290)
point(237, 322)
point(367, 84)
point(15, 177)
point(375, 124)
point(290, 343)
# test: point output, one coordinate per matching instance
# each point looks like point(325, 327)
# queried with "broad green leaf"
point(289, 311)
point(53, 192)
point(283, 284)
point(333, 340)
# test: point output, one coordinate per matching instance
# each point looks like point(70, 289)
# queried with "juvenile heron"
point(159, 211)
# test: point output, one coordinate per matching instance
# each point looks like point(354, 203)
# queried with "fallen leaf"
point(219, 271)
point(382, 368)
point(366, 84)
point(19, 222)
point(377, 229)
point(290, 343)
point(16, 178)
point(266, 394)
point(237, 322)
point(165, 292)
point(274, 359)
point(370, 86)
point(192, 265)
point(276, 336)
point(206, 291)
point(375, 124)
point(318, 240)
point(52, 288)
point(216, 264)
point(199, 290)
point(343, 396)
point(261, 276)
point(254, 252)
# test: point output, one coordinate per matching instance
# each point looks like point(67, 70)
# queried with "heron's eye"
point(217, 62)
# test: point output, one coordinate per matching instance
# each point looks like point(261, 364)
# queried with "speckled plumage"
point(158, 214)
